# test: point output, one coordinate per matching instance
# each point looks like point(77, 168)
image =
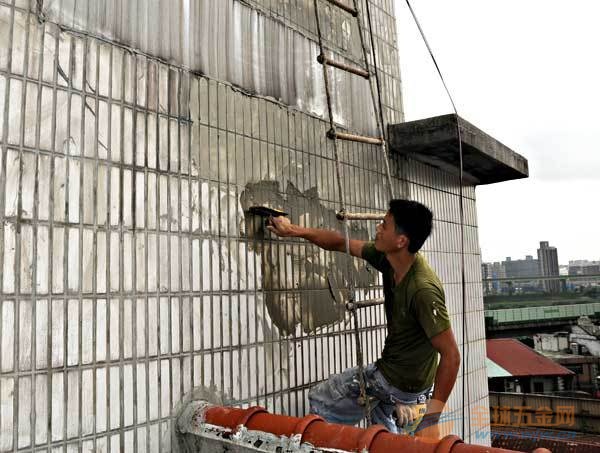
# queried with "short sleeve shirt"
point(416, 311)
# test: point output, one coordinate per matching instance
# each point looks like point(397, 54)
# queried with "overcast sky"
point(526, 72)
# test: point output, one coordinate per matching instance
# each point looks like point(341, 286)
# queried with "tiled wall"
point(441, 192)
point(266, 47)
point(130, 273)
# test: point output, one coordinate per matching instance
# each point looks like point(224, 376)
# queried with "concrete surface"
point(435, 142)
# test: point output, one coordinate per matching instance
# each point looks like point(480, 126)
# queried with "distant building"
point(485, 275)
point(548, 262)
point(528, 267)
point(551, 342)
point(492, 271)
point(574, 351)
point(584, 267)
point(521, 268)
point(515, 367)
point(585, 337)
point(563, 269)
point(546, 265)
point(581, 268)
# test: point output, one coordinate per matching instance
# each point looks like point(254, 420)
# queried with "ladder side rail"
point(378, 111)
point(351, 295)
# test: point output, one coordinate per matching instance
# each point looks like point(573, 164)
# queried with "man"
point(417, 322)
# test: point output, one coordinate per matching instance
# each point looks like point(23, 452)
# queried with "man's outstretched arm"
point(326, 239)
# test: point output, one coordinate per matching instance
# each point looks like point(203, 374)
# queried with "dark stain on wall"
point(304, 287)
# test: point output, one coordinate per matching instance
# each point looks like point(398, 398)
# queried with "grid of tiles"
point(129, 273)
point(337, 30)
point(276, 56)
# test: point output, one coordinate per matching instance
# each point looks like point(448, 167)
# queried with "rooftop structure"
point(519, 360)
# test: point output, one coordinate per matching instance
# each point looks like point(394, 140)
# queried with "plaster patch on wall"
point(305, 288)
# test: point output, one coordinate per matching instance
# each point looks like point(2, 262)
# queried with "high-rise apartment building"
point(548, 262)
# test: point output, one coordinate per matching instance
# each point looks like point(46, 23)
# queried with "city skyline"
point(522, 257)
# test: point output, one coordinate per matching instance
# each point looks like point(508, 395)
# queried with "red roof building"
point(515, 367)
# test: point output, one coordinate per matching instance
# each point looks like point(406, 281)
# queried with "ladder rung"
point(346, 8)
point(364, 304)
point(354, 137)
point(343, 215)
point(343, 66)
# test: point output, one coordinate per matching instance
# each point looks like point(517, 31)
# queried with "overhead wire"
point(465, 345)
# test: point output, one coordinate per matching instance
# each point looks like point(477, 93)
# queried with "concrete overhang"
point(434, 141)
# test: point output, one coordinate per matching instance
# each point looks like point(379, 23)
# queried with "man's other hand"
point(405, 414)
point(281, 226)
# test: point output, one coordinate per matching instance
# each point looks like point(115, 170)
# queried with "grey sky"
point(528, 73)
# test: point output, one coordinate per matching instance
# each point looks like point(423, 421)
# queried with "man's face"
point(387, 239)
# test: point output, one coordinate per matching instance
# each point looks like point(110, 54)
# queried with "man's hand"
point(405, 414)
point(282, 226)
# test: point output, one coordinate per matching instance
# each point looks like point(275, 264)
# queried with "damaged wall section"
point(131, 276)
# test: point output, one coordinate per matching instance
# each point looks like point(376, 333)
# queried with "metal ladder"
point(352, 305)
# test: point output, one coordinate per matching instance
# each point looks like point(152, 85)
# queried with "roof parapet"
point(434, 141)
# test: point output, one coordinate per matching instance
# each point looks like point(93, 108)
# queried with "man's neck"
point(401, 262)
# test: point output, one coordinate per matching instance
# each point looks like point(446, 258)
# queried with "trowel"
point(266, 212)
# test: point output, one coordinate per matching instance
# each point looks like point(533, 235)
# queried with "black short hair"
point(412, 219)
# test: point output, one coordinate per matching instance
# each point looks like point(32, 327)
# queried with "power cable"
point(465, 346)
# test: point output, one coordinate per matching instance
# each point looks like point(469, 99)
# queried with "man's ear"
point(402, 241)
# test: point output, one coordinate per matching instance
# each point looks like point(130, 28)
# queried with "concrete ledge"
point(435, 141)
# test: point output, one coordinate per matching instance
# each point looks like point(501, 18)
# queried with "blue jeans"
point(336, 399)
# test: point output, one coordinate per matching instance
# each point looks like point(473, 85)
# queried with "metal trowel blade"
point(265, 211)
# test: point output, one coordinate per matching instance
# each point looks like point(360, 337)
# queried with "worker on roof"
point(407, 386)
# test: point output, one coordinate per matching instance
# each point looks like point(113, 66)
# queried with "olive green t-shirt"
point(416, 311)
